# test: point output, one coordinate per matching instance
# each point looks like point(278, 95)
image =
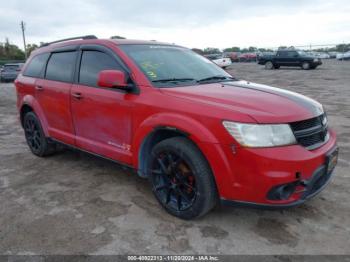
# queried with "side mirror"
point(112, 79)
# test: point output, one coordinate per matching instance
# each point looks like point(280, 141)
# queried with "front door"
point(102, 116)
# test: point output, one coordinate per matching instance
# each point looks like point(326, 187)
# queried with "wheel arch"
point(162, 126)
point(30, 104)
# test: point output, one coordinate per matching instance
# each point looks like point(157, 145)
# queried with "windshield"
point(303, 53)
point(166, 65)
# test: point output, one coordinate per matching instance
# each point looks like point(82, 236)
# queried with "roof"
point(89, 40)
point(137, 42)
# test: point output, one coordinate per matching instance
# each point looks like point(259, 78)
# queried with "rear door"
point(293, 58)
point(281, 58)
point(53, 95)
point(102, 116)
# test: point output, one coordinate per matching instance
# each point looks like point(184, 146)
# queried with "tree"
point(211, 50)
point(252, 49)
point(30, 48)
point(342, 47)
point(9, 51)
point(232, 49)
point(117, 37)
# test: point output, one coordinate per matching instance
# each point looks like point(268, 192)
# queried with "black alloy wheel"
point(181, 178)
point(173, 181)
point(35, 136)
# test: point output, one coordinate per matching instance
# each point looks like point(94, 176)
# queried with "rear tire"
point(35, 136)
point(181, 178)
point(269, 65)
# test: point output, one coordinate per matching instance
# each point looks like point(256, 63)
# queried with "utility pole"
point(24, 39)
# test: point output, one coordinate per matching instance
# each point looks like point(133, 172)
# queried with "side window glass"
point(92, 63)
point(292, 54)
point(61, 66)
point(36, 65)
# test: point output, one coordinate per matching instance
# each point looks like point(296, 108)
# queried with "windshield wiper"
point(173, 80)
point(218, 77)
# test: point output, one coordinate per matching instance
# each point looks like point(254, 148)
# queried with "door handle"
point(39, 88)
point(77, 95)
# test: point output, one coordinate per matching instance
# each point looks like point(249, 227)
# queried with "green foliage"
point(232, 49)
point(10, 52)
point(30, 48)
point(211, 50)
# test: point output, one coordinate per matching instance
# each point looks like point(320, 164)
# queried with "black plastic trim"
point(85, 37)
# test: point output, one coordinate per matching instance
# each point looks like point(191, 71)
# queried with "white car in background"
point(344, 56)
point(218, 59)
point(323, 55)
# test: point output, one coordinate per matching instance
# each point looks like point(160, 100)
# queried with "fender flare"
point(29, 100)
point(195, 130)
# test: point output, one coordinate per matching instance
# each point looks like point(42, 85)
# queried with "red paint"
point(114, 124)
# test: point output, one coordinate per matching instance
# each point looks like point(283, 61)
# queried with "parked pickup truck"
point(289, 58)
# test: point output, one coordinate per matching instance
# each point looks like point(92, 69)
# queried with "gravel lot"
point(73, 203)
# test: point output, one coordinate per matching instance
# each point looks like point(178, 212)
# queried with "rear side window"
point(282, 53)
point(92, 63)
point(60, 66)
point(36, 66)
point(292, 54)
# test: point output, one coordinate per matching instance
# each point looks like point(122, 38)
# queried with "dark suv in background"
point(296, 58)
point(9, 72)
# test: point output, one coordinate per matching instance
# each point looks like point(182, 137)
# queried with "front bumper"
point(316, 63)
point(247, 175)
point(312, 187)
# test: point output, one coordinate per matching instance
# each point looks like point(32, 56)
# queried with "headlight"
point(255, 135)
point(315, 59)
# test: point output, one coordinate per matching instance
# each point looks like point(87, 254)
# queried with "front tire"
point(305, 66)
point(35, 136)
point(181, 178)
point(269, 65)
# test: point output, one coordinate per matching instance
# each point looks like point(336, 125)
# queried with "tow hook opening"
point(284, 191)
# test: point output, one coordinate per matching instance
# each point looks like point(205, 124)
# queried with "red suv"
point(198, 134)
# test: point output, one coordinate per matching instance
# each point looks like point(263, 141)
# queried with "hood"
point(263, 103)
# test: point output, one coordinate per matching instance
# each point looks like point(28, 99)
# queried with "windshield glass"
point(166, 65)
point(303, 53)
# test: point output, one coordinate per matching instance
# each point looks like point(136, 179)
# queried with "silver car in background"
point(9, 72)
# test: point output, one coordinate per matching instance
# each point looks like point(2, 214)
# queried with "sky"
point(190, 23)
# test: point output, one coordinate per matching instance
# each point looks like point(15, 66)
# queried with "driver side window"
point(92, 63)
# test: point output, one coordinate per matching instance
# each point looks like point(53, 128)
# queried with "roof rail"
point(71, 38)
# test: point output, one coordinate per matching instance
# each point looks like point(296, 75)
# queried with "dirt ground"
point(73, 203)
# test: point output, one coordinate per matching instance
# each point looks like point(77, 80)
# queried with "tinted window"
point(282, 53)
point(292, 54)
point(36, 66)
point(60, 66)
point(93, 62)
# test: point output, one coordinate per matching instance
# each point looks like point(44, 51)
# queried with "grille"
point(311, 133)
